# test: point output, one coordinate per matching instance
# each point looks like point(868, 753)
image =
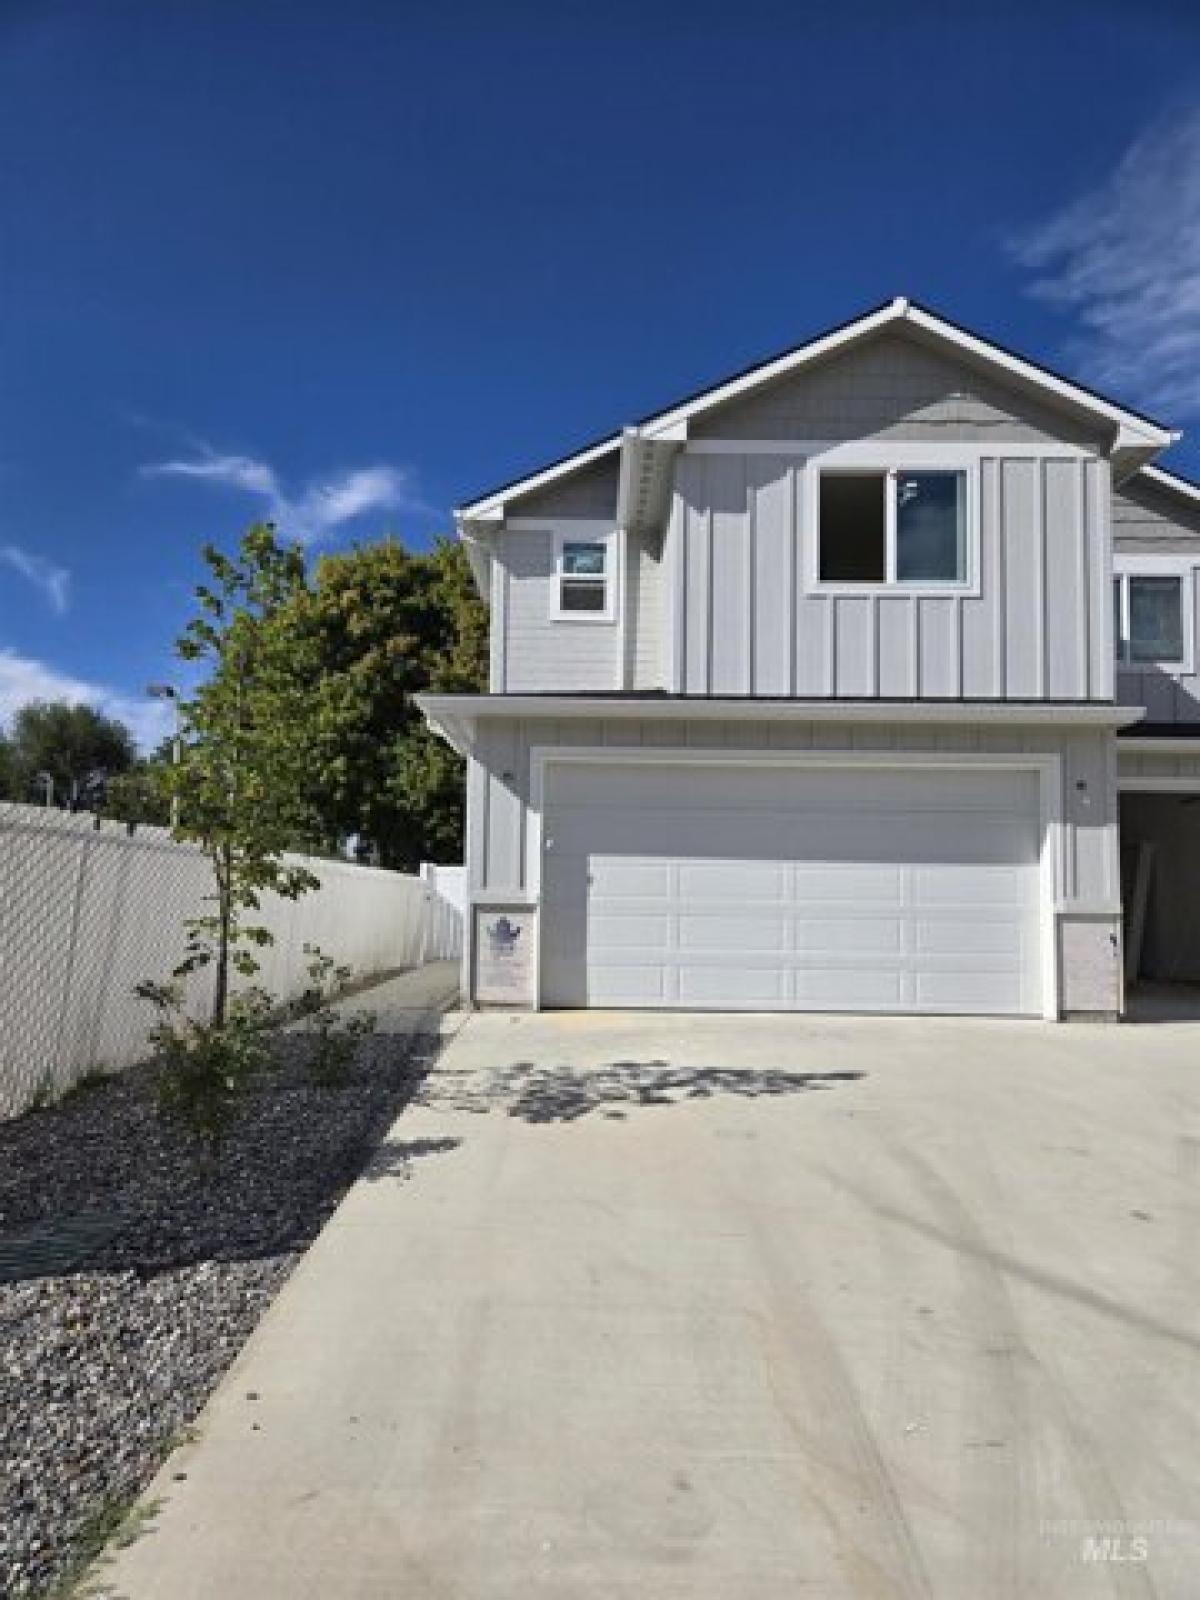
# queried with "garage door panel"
point(647, 930)
point(971, 885)
point(788, 888)
point(733, 879)
point(732, 988)
point(832, 881)
point(627, 877)
point(744, 932)
point(864, 988)
point(968, 992)
point(969, 936)
point(865, 934)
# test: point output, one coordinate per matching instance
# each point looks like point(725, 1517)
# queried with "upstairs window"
point(1148, 619)
point(890, 527)
point(583, 580)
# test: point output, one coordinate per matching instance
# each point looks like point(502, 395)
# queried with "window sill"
point(947, 590)
point(1169, 669)
point(591, 617)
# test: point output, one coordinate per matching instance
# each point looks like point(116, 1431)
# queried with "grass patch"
point(119, 1522)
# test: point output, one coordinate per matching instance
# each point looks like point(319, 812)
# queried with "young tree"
point(76, 747)
point(246, 739)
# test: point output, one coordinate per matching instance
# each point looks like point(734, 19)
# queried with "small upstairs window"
point(583, 589)
point(889, 527)
point(1148, 619)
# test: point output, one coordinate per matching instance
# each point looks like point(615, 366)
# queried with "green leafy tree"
point(385, 623)
point(140, 795)
point(78, 747)
point(246, 739)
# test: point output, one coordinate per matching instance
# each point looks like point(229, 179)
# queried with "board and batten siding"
point(747, 621)
point(1149, 520)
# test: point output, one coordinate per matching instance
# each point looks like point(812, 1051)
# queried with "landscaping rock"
point(106, 1362)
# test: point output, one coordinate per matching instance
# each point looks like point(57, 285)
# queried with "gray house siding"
point(748, 622)
point(893, 386)
point(644, 630)
point(499, 795)
point(530, 648)
point(536, 650)
point(1150, 521)
point(727, 606)
point(590, 492)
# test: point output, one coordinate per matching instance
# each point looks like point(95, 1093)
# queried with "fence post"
point(72, 956)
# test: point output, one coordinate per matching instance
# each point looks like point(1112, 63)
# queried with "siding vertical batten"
point(1000, 598)
point(1083, 580)
point(1039, 541)
point(749, 567)
point(795, 570)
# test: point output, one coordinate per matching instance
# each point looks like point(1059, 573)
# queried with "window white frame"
point(850, 459)
point(610, 544)
point(1182, 567)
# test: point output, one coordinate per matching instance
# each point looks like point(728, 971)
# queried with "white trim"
point(498, 623)
point(454, 716)
point(610, 579)
point(682, 708)
point(1048, 767)
point(1178, 565)
point(1132, 784)
point(1159, 745)
point(578, 527)
point(1133, 431)
point(623, 675)
point(1183, 487)
point(480, 510)
point(869, 459)
point(920, 452)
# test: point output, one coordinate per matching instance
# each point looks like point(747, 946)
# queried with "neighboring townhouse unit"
point(1156, 537)
point(811, 692)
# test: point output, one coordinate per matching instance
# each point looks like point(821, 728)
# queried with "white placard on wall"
point(504, 955)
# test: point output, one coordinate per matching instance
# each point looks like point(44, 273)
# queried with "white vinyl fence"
point(87, 913)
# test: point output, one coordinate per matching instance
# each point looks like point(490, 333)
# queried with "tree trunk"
point(225, 920)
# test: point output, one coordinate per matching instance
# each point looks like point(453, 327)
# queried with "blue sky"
point(348, 264)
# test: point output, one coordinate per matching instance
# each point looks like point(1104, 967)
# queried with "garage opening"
point(781, 888)
point(1160, 888)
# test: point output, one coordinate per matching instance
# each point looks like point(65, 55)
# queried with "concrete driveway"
point(737, 1307)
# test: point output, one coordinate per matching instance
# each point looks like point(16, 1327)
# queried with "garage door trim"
point(1046, 765)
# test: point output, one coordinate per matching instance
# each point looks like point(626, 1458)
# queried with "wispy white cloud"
point(54, 582)
point(23, 679)
point(1125, 257)
point(318, 509)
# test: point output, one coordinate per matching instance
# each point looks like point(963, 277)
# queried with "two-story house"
point(814, 691)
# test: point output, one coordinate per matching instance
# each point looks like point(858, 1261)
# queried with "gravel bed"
point(103, 1368)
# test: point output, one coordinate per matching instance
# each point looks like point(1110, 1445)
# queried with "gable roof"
point(1132, 430)
point(1172, 482)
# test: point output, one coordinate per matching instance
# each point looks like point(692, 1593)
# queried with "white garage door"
point(791, 888)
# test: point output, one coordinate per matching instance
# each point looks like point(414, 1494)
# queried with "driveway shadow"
point(541, 1094)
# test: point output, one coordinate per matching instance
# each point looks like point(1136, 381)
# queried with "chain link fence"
point(88, 909)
